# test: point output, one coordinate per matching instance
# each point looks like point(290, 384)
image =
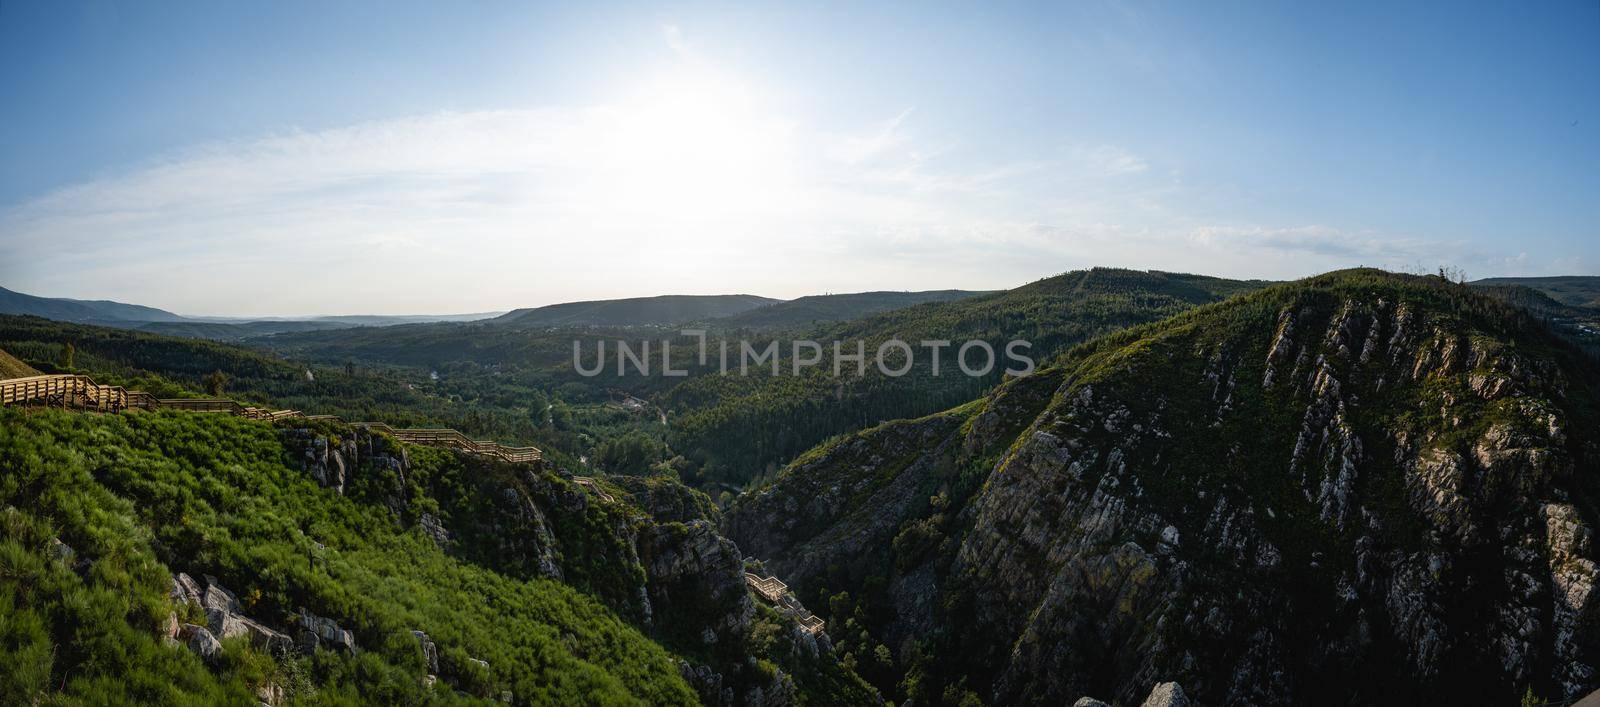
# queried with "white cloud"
point(1112, 160)
point(856, 149)
point(691, 185)
point(695, 182)
point(1317, 240)
point(1316, 248)
point(674, 38)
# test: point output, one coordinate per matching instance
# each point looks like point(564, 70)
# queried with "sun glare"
point(696, 147)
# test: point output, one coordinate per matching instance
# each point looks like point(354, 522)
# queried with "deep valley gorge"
point(1353, 488)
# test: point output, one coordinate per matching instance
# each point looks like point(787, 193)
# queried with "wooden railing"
point(770, 587)
point(452, 439)
point(72, 391)
point(588, 483)
point(82, 393)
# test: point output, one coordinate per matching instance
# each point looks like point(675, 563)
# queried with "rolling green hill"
point(1573, 290)
point(637, 311)
point(815, 309)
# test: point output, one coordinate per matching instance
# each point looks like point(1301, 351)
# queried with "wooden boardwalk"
point(777, 593)
point(588, 483)
point(78, 392)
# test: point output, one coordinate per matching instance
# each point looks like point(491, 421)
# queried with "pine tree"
point(216, 382)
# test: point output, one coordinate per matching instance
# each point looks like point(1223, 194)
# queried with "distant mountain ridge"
point(160, 321)
point(352, 319)
point(813, 309)
point(233, 331)
point(74, 310)
point(661, 310)
point(1570, 290)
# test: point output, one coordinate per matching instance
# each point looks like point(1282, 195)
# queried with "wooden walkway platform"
point(777, 593)
point(77, 392)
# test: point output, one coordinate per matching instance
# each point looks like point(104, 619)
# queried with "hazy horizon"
point(497, 311)
point(248, 161)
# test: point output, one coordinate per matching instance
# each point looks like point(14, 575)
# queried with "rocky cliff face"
point(1358, 488)
point(694, 571)
point(667, 500)
point(681, 582)
point(817, 519)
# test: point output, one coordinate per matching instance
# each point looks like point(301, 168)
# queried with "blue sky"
point(398, 157)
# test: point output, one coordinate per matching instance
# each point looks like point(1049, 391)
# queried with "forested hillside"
point(736, 428)
point(1357, 488)
point(815, 309)
point(175, 558)
point(1200, 470)
point(178, 367)
point(231, 331)
point(664, 310)
point(1573, 290)
point(732, 428)
point(1578, 324)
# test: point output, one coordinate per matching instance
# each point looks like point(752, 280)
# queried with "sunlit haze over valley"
point(1115, 353)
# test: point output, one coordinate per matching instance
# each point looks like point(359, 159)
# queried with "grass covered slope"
point(138, 497)
point(10, 367)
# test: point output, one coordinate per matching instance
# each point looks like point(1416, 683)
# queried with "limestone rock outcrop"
point(1311, 486)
